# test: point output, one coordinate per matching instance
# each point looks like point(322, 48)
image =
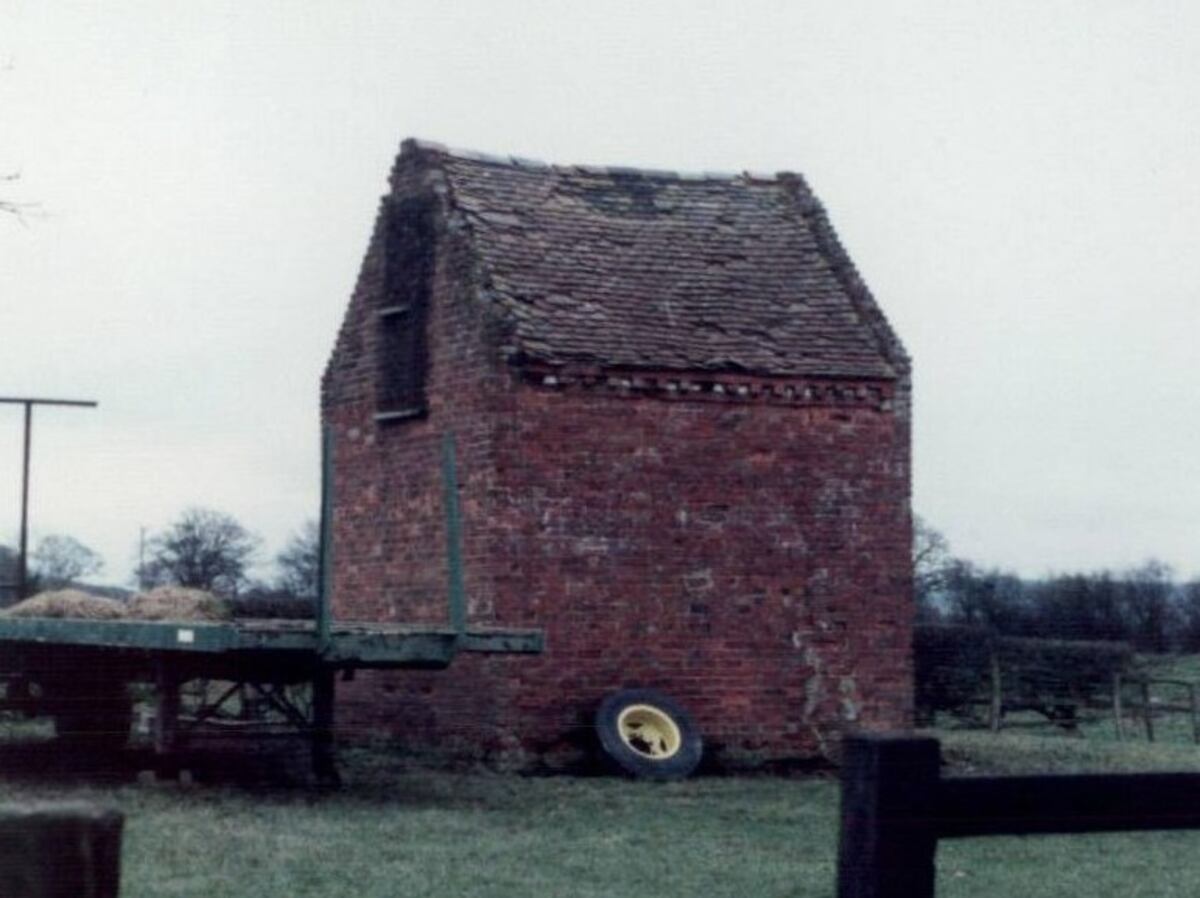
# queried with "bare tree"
point(1187, 613)
point(59, 561)
point(1148, 590)
point(204, 549)
point(979, 597)
point(300, 562)
point(931, 566)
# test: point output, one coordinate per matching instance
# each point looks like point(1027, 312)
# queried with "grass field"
point(392, 832)
point(396, 831)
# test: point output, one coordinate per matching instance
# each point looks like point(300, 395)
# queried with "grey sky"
point(1018, 182)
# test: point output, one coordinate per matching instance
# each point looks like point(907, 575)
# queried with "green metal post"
point(458, 592)
point(325, 587)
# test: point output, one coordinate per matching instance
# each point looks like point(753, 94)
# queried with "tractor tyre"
point(647, 735)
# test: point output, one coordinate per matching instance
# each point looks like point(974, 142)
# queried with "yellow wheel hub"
point(649, 731)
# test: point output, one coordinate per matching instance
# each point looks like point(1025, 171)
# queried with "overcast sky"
point(1018, 182)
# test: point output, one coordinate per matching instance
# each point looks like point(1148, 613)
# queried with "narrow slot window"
point(401, 313)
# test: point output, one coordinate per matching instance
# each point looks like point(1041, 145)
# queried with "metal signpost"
point(29, 403)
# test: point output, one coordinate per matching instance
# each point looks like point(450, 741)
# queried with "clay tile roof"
point(628, 268)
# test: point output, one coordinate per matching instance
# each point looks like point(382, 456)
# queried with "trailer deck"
point(77, 670)
point(347, 646)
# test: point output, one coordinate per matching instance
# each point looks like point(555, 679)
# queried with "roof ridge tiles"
point(532, 164)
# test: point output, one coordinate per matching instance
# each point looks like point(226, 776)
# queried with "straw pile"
point(178, 603)
point(166, 603)
point(67, 603)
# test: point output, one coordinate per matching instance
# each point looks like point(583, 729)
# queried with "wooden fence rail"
point(896, 806)
point(1149, 707)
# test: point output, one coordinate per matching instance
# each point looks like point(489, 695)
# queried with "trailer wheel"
point(647, 735)
point(96, 716)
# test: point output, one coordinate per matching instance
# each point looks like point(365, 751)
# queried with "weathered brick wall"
point(749, 559)
point(389, 534)
point(746, 551)
point(389, 528)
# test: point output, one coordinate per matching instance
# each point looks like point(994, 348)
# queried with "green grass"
point(975, 752)
point(1184, 667)
point(395, 830)
point(392, 832)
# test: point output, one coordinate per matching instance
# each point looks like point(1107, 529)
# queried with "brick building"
point(683, 431)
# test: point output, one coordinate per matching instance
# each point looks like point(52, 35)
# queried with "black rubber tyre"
point(647, 735)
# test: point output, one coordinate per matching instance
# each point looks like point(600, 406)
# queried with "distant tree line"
point(211, 550)
point(1144, 605)
point(202, 549)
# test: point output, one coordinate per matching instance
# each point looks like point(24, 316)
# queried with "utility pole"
point(29, 403)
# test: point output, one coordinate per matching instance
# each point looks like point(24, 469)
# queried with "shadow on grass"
point(51, 761)
point(270, 772)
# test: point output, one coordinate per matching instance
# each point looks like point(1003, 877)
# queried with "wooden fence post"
point(1147, 711)
point(1117, 709)
point(996, 711)
point(889, 785)
point(896, 806)
point(59, 851)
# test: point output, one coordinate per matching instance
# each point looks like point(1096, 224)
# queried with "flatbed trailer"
point(78, 671)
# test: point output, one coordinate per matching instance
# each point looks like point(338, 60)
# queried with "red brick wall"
point(746, 553)
point(389, 534)
point(750, 560)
